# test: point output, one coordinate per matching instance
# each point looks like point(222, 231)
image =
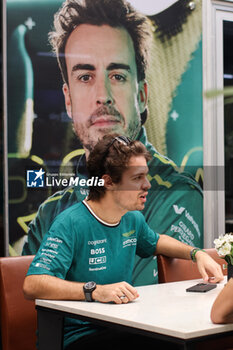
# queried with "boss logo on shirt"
point(97, 251)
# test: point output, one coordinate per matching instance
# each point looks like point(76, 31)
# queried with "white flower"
point(228, 238)
point(224, 244)
point(218, 242)
point(225, 249)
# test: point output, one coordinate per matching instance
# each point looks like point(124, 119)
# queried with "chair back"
point(174, 270)
point(18, 315)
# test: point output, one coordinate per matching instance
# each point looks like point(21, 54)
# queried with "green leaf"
point(227, 258)
point(231, 259)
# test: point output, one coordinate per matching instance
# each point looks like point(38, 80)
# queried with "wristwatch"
point(88, 288)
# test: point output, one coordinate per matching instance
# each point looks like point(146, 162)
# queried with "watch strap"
point(88, 296)
point(193, 253)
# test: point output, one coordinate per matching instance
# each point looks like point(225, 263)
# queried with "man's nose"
point(103, 93)
point(146, 184)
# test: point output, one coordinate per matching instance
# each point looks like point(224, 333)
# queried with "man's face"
point(130, 194)
point(103, 95)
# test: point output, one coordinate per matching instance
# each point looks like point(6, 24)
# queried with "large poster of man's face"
point(50, 119)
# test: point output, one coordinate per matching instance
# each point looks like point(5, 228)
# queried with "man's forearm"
point(50, 287)
point(173, 248)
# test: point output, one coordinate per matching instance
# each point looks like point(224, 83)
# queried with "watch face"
point(90, 285)
point(88, 288)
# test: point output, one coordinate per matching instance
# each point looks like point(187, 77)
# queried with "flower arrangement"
point(224, 247)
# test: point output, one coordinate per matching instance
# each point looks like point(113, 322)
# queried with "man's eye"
point(118, 77)
point(85, 78)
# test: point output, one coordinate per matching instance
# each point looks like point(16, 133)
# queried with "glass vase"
point(229, 271)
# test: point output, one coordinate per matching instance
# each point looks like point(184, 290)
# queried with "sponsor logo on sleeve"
point(178, 210)
point(182, 228)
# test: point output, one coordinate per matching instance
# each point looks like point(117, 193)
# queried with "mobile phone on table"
point(201, 287)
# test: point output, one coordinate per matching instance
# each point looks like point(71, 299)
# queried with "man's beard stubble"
point(89, 142)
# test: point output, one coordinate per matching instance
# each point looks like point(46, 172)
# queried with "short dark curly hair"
point(111, 156)
point(115, 13)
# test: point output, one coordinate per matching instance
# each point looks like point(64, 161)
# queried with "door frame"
point(214, 13)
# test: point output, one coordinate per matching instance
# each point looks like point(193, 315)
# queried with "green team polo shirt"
point(80, 247)
point(174, 207)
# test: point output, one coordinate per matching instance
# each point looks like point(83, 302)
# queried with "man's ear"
point(108, 183)
point(66, 93)
point(142, 95)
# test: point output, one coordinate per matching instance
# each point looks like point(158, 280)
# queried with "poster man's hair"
point(115, 13)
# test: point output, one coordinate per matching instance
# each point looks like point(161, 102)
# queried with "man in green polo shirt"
point(102, 51)
point(89, 250)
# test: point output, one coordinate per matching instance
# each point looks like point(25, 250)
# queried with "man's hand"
point(118, 293)
point(206, 263)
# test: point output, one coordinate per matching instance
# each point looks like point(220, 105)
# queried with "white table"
point(163, 311)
